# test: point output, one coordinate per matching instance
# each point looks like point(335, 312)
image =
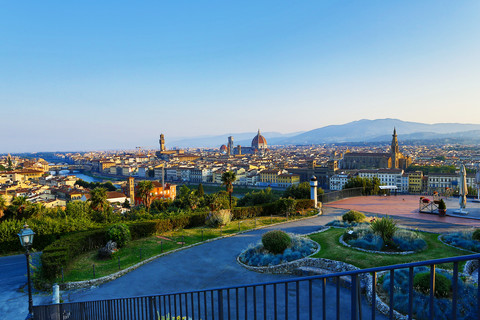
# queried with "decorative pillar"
point(313, 190)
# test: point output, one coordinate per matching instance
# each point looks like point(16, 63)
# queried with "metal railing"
point(341, 194)
point(330, 296)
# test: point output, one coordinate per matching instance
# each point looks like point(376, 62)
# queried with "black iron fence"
point(332, 296)
point(342, 194)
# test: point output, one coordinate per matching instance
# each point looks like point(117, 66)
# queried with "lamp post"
point(26, 239)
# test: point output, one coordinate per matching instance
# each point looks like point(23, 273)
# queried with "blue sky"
point(83, 75)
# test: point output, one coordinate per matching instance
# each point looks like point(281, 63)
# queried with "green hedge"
point(240, 213)
point(65, 249)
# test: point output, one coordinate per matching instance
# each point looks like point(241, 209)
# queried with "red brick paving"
point(400, 205)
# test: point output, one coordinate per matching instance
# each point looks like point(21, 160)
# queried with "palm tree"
point(3, 205)
point(20, 204)
point(144, 189)
point(228, 178)
point(98, 199)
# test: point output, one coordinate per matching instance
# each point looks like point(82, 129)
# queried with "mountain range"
point(361, 131)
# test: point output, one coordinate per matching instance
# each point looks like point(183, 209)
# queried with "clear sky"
point(83, 75)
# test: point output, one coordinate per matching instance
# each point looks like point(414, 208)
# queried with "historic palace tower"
point(162, 142)
point(394, 151)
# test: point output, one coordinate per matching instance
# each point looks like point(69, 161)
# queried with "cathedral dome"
point(223, 148)
point(259, 141)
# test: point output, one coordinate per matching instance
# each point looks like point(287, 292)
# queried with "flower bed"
point(345, 224)
point(467, 308)
point(462, 240)
point(256, 255)
point(403, 240)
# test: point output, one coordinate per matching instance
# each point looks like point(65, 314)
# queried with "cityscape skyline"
point(96, 76)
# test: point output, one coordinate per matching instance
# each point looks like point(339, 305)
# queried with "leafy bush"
point(467, 304)
point(369, 242)
point(462, 240)
point(443, 286)
point(218, 218)
point(476, 235)
point(384, 227)
point(119, 233)
point(407, 240)
point(442, 205)
point(257, 255)
point(353, 216)
point(276, 241)
point(402, 240)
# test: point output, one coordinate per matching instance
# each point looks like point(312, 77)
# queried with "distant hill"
point(361, 131)
point(381, 130)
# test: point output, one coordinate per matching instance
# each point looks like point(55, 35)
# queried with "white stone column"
point(313, 190)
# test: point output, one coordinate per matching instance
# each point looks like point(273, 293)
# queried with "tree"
point(126, 204)
point(369, 186)
point(200, 191)
point(98, 199)
point(228, 178)
point(144, 189)
point(3, 206)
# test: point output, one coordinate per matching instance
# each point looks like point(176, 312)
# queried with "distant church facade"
point(369, 160)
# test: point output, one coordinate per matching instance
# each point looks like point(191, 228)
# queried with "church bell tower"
point(394, 150)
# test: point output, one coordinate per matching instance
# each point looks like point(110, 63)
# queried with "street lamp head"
point(26, 236)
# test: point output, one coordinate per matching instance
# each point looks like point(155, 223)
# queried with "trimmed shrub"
point(276, 241)
point(476, 235)
point(119, 233)
point(384, 227)
point(353, 216)
point(443, 286)
point(218, 218)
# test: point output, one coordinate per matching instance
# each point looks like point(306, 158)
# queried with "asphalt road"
point(13, 290)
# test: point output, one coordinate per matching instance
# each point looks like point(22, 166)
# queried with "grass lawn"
point(141, 249)
point(332, 249)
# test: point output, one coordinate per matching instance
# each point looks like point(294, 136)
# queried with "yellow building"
point(275, 178)
point(415, 184)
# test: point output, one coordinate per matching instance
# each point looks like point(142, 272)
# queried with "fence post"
point(140, 253)
point(118, 263)
point(255, 222)
point(93, 266)
point(271, 219)
point(161, 246)
point(183, 239)
point(221, 230)
point(238, 226)
point(220, 304)
point(62, 276)
point(202, 235)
